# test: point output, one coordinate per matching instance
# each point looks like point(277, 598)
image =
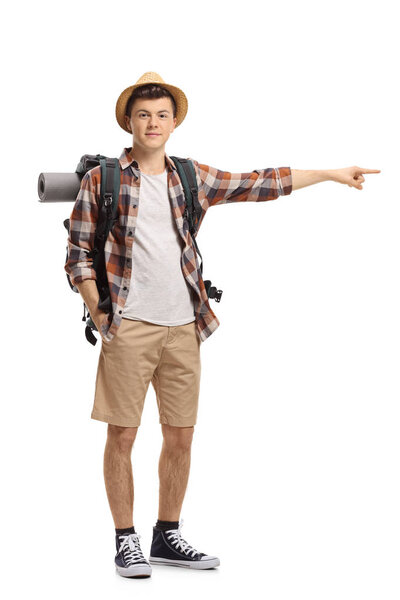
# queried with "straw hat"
point(151, 77)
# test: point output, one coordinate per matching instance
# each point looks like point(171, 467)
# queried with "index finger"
point(371, 170)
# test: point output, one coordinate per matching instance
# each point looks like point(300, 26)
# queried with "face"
point(151, 116)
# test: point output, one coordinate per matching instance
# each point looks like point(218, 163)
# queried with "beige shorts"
point(141, 352)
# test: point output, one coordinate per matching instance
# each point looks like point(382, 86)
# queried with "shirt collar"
point(126, 159)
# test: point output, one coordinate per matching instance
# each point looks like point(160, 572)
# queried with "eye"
point(145, 115)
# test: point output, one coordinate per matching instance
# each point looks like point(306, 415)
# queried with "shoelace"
point(174, 536)
point(131, 548)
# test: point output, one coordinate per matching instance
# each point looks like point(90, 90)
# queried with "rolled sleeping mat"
point(59, 187)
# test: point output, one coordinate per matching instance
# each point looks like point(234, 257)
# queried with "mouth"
point(153, 134)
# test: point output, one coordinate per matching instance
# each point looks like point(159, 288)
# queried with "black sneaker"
point(129, 560)
point(169, 548)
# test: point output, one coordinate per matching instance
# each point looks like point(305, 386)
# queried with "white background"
point(294, 479)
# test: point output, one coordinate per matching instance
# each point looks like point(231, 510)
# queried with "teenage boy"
point(161, 312)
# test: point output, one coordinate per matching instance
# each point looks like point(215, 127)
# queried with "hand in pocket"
point(100, 320)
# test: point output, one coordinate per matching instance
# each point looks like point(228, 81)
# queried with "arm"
point(353, 176)
point(222, 187)
point(82, 229)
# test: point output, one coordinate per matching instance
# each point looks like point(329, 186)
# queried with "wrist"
point(96, 314)
point(329, 175)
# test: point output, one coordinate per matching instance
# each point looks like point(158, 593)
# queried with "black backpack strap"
point(193, 212)
point(187, 175)
point(193, 208)
point(109, 189)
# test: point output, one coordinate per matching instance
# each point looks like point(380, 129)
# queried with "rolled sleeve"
point(284, 178)
point(223, 187)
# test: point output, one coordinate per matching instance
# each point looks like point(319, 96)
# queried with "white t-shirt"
point(158, 291)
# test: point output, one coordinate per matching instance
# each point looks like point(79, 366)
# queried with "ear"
point(127, 122)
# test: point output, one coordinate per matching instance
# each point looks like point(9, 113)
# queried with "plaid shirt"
point(214, 187)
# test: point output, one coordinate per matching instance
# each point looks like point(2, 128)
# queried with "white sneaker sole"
point(196, 564)
point(134, 570)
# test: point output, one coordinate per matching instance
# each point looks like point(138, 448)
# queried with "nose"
point(153, 121)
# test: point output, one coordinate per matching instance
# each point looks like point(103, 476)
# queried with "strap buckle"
point(218, 295)
point(212, 291)
point(107, 199)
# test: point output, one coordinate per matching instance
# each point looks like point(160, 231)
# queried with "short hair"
point(148, 91)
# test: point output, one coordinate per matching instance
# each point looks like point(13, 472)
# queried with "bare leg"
point(173, 470)
point(118, 476)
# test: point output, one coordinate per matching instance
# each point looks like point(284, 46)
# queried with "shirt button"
point(120, 311)
point(129, 232)
point(125, 288)
point(134, 206)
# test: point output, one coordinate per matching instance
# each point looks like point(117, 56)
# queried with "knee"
point(177, 439)
point(123, 437)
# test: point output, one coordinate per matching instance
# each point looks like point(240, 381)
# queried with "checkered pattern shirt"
point(214, 187)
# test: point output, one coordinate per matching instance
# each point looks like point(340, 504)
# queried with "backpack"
point(107, 217)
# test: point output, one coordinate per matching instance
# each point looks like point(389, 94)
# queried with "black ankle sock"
point(125, 531)
point(165, 525)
